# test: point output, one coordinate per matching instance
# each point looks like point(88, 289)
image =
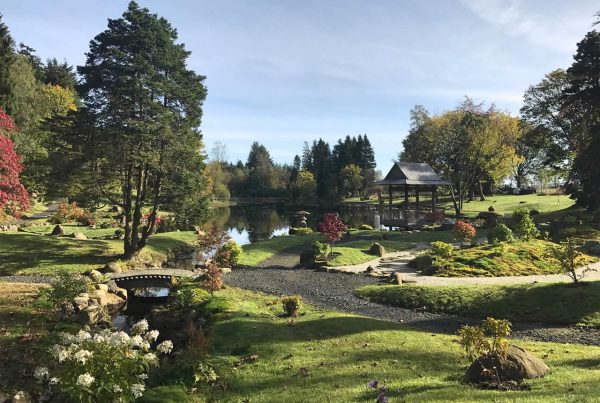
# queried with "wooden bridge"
point(150, 278)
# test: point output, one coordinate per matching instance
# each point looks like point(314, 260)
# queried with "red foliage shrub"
point(13, 195)
point(333, 228)
point(66, 212)
point(463, 231)
point(213, 279)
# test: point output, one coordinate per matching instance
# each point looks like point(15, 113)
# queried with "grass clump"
point(537, 303)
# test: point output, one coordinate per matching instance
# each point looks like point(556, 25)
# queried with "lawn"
point(508, 203)
point(72, 228)
point(501, 259)
point(27, 253)
point(542, 303)
point(352, 249)
point(320, 356)
point(326, 356)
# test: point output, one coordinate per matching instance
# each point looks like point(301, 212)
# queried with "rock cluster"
point(9, 227)
point(89, 307)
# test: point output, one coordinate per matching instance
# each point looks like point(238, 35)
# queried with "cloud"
point(554, 25)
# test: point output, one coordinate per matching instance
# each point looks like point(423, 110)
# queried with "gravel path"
point(336, 291)
point(26, 279)
point(287, 258)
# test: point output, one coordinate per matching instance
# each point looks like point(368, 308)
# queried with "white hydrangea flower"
point(143, 376)
point(140, 327)
point(119, 338)
point(152, 335)
point(82, 356)
point(54, 381)
point(137, 389)
point(98, 338)
point(67, 338)
point(59, 352)
point(82, 336)
point(136, 341)
point(151, 358)
point(41, 374)
point(145, 346)
point(117, 389)
point(165, 347)
point(85, 380)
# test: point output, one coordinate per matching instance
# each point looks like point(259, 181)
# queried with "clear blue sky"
point(281, 72)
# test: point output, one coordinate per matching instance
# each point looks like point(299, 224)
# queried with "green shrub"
point(365, 227)
point(476, 343)
point(291, 305)
point(66, 212)
point(65, 287)
point(491, 209)
point(188, 299)
point(301, 231)
point(321, 250)
point(228, 254)
point(524, 226)
point(441, 249)
point(503, 233)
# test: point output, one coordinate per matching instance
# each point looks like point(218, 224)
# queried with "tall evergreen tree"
point(7, 55)
point(143, 107)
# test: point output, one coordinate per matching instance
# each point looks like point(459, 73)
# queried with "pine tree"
point(141, 145)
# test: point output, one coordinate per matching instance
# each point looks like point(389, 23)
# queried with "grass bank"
point(501, 259)
point(541, 303)
point(28, 253)
point(352, 249)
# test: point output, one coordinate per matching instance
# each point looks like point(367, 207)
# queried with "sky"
point(282, 72)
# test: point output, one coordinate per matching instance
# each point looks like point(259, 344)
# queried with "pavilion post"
point(417, 197)
point(390, 193)
point(433, 200)
point(406, 197)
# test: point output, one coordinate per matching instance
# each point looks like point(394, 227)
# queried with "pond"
point(250, 223)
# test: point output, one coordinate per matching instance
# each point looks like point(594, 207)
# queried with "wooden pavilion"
point(411, 176)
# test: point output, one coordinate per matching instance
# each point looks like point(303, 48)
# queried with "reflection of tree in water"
point(260, 222)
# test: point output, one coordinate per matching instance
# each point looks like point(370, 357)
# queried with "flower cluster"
point(104, 366)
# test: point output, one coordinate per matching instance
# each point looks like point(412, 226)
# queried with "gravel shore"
point(336, 291)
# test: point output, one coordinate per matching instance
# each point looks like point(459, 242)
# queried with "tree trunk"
point(481, 195)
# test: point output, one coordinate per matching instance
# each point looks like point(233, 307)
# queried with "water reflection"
point(251, 223)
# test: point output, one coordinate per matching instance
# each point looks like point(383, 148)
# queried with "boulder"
point(79, 235)
point(517, 364)
point(112, 286)
point(421, 262)
point(112, 267)
point(395, 278)
point(58, 230)
point(21, 397)
point(95, 275)
point(592, 247)
point(89, 315)
point(81, 302)
point(307, 258)
point(122, 293)
point(447, 224)
point(377, 249)
point(102, 287)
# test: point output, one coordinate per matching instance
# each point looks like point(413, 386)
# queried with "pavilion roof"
point(413, 173)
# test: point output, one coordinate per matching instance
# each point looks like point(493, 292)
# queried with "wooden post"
point(405, 197)
point(417, 198)
point(390, 193)
point(433, 200)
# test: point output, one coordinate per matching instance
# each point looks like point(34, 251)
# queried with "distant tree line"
point(320, 176)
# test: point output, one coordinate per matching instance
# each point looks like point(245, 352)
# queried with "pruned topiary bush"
point(524, 226)
point(503, 233)
point(441, 249)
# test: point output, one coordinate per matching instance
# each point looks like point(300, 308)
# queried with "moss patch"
point(503, 259)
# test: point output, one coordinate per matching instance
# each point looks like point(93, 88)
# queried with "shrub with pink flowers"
point(463, 231)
